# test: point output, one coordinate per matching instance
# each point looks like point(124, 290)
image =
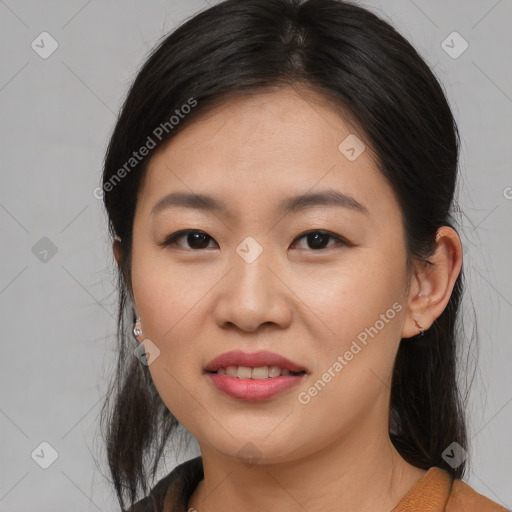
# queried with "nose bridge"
point(251, 279)
point(251, 294)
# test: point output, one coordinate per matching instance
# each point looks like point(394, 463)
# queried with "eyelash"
point(171, 239)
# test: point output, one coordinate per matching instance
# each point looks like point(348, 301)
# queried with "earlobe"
point(433, 283)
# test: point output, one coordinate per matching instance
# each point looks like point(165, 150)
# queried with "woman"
point(279, 188)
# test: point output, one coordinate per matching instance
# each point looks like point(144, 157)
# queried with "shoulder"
point(438, 491)
point(464, 498)
point(173, 489)
point(152, 502)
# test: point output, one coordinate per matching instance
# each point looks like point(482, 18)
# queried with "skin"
point(308, 304)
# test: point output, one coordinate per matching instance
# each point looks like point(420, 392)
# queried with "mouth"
point(255, 365)
point(254, 376)
point(257, 373)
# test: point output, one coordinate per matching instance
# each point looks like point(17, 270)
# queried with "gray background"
point(58, 316)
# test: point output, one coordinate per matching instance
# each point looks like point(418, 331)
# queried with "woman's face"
point(252, 282)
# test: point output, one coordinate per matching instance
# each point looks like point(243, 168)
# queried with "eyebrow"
point(329, 197)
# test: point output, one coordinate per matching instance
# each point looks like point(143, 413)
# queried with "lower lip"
point(253, 390)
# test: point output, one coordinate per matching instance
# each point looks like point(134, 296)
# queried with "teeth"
point(274, 371)
point(261, 372)
point(244, 372)
point(232, 371)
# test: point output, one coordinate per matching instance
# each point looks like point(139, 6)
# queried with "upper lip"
point(252, 360)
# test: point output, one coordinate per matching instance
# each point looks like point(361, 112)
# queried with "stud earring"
point(422, 331)
point(137, 331)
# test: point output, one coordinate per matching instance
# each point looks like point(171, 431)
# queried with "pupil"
point(317, 240)
point(194, 238)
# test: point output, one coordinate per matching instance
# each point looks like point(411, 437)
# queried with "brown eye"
point(318, 240)
point(195, 239)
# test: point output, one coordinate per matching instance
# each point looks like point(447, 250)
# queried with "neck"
point(360, 474)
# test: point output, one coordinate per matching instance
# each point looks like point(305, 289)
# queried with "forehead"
point(261, 149)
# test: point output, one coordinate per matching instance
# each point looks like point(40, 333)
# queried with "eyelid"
point(171, 239)
point(334, 236)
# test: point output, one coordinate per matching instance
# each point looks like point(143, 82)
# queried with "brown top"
point(436, 491)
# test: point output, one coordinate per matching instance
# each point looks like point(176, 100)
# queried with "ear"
point(118, 251)
point(432, 284)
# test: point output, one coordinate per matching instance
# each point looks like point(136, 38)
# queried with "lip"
point(253, 389)
point(252, 360)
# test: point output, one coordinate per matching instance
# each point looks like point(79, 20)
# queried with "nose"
point(251, 295)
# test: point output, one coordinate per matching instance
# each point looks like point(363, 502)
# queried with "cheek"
point(172, 317)
point(351, 296)
point(165, 295)
point(361, 313)
point(172, 314)
point(169, 303)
